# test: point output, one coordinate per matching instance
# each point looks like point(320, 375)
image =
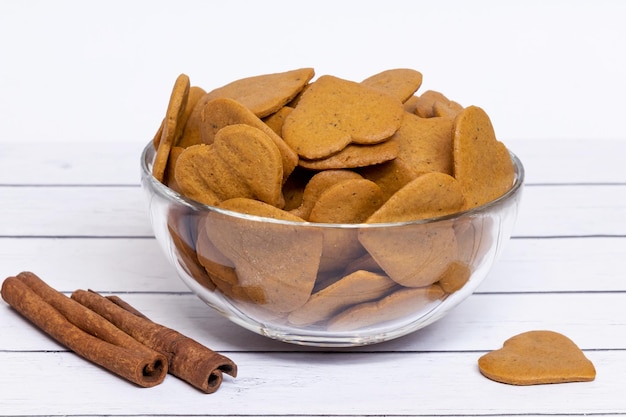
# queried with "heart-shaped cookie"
point(222, 112)
point(332, 113)
point(280, 262)
point(537, 357)
point(264, 94)
point(241, 162)
point(482, 164)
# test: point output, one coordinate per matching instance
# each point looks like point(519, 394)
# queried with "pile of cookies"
point(325, 151)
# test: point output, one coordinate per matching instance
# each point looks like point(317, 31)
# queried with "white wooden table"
point(74, 215)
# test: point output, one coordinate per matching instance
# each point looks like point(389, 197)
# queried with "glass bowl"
point(336, 285)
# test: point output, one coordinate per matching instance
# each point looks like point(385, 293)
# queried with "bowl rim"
point(149, 151)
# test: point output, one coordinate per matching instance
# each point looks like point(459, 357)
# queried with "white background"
point(103, 70)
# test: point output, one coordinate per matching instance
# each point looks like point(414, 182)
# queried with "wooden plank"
point(481, 322)
point(577, 161)
point(70, 163)
point(135, 265)
point(318, 384)
point(121, 211)
point(122, 265)
point(74, 211)
point(559, 264)
point(575, 210)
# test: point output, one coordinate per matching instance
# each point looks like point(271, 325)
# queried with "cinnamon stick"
point(83, 331)
point(189, 360)
point(117, 300)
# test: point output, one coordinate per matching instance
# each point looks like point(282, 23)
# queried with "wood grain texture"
point(342, 383)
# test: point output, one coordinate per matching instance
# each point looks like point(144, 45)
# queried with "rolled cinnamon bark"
point(189, 360)
point(83, 331)
point(117, 300)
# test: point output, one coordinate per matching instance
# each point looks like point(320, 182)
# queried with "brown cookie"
point(242, 162)
point(455, 277)
point(358, 287)
point(316, 185)
point(348, 201)
point(217, 267)
point(482, 164)
point(194, 180)
point(433, 104)
point(412, 255)
point(390, 176)
point(282, 272)
point(169, 177)
point(264, 94)
point(426, 144)
point(394, 306)
point(195, 94)
point(171, 126)
point(221, 271)
point(341, 246)
point(257, 208)
point(276, 120)
point(211, 258)
point(410, 105)
point(333, 113)
point(537, 357)
point(252, 156)
point(450, 109)
point(355, 156)
point(365, 263)
point(180, 230)
point(223, 112)
point(419, 255)
point(401, 83)
point(429, 195)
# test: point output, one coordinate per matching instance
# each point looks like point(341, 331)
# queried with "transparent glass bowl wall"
point(265, 279)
